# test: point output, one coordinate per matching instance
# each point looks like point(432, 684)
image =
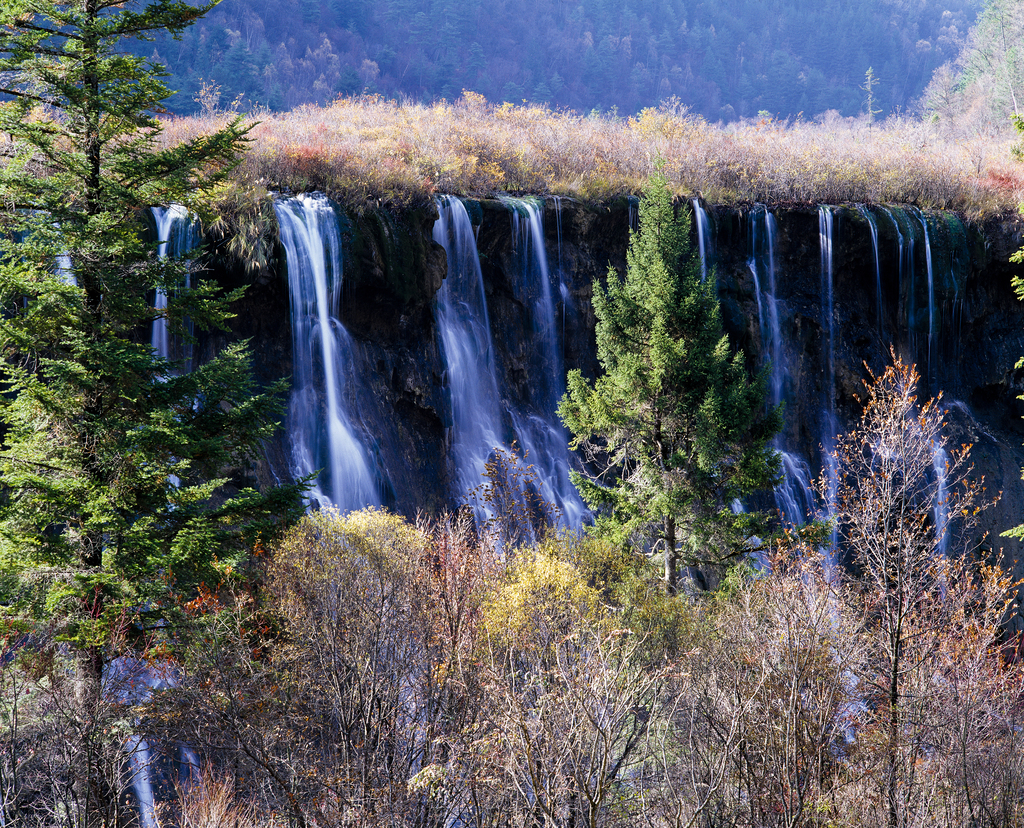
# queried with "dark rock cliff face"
point(976, 325)
point(964, 332)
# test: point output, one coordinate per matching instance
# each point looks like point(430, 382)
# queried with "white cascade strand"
point(467, 346)
point(321, 428)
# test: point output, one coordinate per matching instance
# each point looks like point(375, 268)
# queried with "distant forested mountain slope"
point(724, 58)
point(985, 86)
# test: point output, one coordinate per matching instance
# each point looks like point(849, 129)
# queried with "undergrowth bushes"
point(410, 675)
point(388, 674)
point(369, 150)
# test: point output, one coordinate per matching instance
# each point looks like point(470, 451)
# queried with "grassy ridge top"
point(367, 151)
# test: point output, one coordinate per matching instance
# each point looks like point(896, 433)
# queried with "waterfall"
point(755, 248)
point(826, 231)
point(775, 351)
point(537, 427)
point(899, 238)
point(464, 330)
point(703, 236)
point(869, 217)
point(324, 438)
point(568, 310)
point(531, 263)
point(794, 496)
point(762, 256)
point(65, 270)
point(140, 762)
point(937, 345)
point(906, 242)
point(825, 238)
point(176, 235)
point(959, 268)
point(931, 292)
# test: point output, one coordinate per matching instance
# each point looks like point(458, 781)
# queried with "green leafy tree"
point(674, 427)
point(122, 476)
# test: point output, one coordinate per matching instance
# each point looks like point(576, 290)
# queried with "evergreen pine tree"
point(674, 427)
point(113, 462)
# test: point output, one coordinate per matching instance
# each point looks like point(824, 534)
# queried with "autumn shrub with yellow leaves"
point(367, 150)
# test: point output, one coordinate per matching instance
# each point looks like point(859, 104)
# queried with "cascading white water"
point(140, 762)
point(176, 235)
point(900, 243)
point(869, 217)
point(825, 238)
point(762, 257)
point(703, 236)
point(531, 261)
point(466, 343)
point(906, 242)
point(959, 269)
point(755, 246)
point(65, 269)
point(538, 429)
point(321, 429)
point(830, 463)
point(940, 458)
point(931, 292)
point(775, 351)
point(568, 310)
point(794, 496)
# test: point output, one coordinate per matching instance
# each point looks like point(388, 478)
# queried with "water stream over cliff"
point(486, 417)
point(704, 249)
point(459, 320)
point(176, 234)
point(323, 429)
point(464, 329)
point(794, 497)
point(535, 422)
point(920, 319)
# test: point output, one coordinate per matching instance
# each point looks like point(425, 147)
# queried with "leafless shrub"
point(570, 700)
point(61, 762)
point(212, 803)
point(345, 697)
point(905, 507)
point(755, 731)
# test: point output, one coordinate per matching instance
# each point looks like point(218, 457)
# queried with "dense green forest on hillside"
point(725, 60)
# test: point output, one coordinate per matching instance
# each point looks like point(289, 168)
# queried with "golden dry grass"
point(368, 150)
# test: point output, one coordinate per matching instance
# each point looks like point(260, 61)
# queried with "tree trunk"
point(671, 557)
point(92, 790)
point(893, 748)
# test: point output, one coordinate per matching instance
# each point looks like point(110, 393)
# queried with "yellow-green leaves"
point(543, 598)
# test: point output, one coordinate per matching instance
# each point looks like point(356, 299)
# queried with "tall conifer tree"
point(112, 462)
point(674, 426)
